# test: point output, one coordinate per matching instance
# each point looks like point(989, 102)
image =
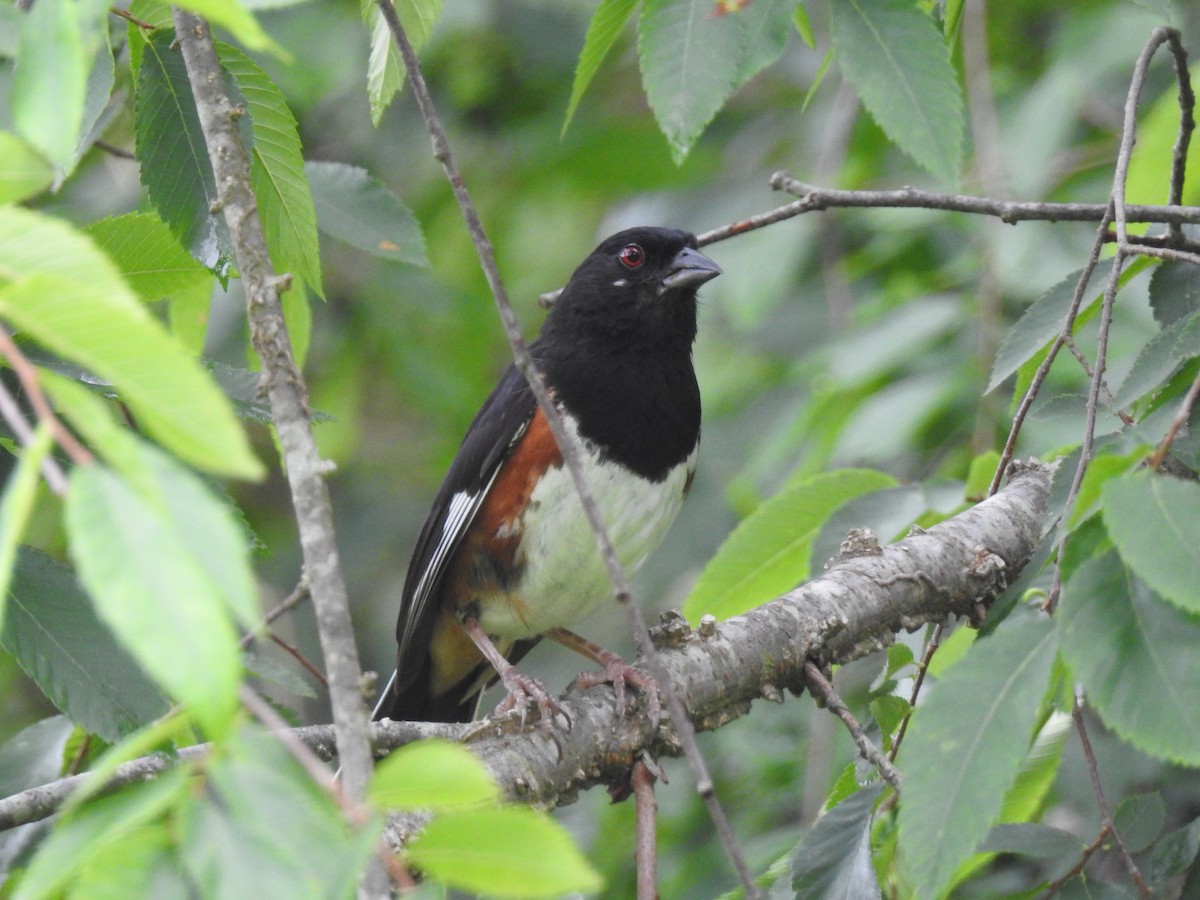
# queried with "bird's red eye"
point(632, 256)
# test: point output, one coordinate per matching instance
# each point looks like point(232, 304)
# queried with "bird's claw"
point(619, 673)
point(521, 690)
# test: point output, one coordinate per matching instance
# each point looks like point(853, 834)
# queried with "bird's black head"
point(636, 290)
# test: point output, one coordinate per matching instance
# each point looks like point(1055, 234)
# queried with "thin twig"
point(935, 641)
point(822, 688)
point(646, 843)
point(285, 390)
point(11, 412)
point(1187, 124)
point(1181, 418)
point(1059, 883)
point(28, 375)
point(1039, 377)
point(567, 444)
point(1101, 802)
point(1010, 211)
point(299, 593)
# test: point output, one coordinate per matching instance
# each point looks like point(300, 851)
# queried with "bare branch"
point(1009, 211)
point(285, 390)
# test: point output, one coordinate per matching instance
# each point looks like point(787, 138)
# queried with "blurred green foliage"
point(843, 338)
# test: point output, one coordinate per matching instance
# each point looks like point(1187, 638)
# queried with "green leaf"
point(1155, 522)
point(385, 68)
point(690, 63)
point(17, 502)
point(1135, 656)
point(1174, 291)
point(148, 255)
point(261, 824)
point(285, 205)
point(77, 840)
point(239, 20)
point(1038, 325)
point(86, 313)
point(489, 851)
point(53, 633)
point(1156, 361)
point(54, 54)
point(175, 169)
point(888, 711)
point(765, 26)
point(804, 26)
point(767, 553)
point(1031, 839)
point(834, 859)
point(966, 743)
point(898, 62)
point(433, 775)
point(1139, 820)
point(1102, 469)
point(602, 33)
point(34, 755)
point(155, 591)
point(23, 171)
point(979, 477)
point(355, 207)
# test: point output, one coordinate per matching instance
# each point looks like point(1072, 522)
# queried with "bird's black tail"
point(413, 699)
point(414, 702)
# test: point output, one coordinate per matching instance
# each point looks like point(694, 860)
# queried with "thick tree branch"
point(856, 606)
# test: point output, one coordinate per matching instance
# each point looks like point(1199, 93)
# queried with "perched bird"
point(506, 556)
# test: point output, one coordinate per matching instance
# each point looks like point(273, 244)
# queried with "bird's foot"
point(521, 690)
point(619, 673)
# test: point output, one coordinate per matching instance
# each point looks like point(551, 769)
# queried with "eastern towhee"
point(506, 556)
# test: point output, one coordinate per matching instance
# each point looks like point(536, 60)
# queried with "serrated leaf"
point(765, 26)
point(488, 851)
point(285, 204)
point(175, 169)
point(1135, 657)
point(895, 57)
point(1174, 292)
point(148, 255)
point(1155, 522)
point(23, 171)
point(606, 25)
point(1038, 325)
point(17, 502)
point(355, 207)
point(965, 746)
point(834, 859)
point(1155, 362)
point(432, 775)
point(768, 552)
point(689, 63)
point(385, 68)
point(54, 635)
point(154, 593)
point(888, 711)
point(1139, 820)
point(85, 313)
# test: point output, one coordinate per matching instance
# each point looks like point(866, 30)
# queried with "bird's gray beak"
point(689, 269)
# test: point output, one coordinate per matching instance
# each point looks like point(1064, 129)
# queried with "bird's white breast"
point(564, 577)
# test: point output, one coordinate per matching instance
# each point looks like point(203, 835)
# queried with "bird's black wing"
point(497, 426)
